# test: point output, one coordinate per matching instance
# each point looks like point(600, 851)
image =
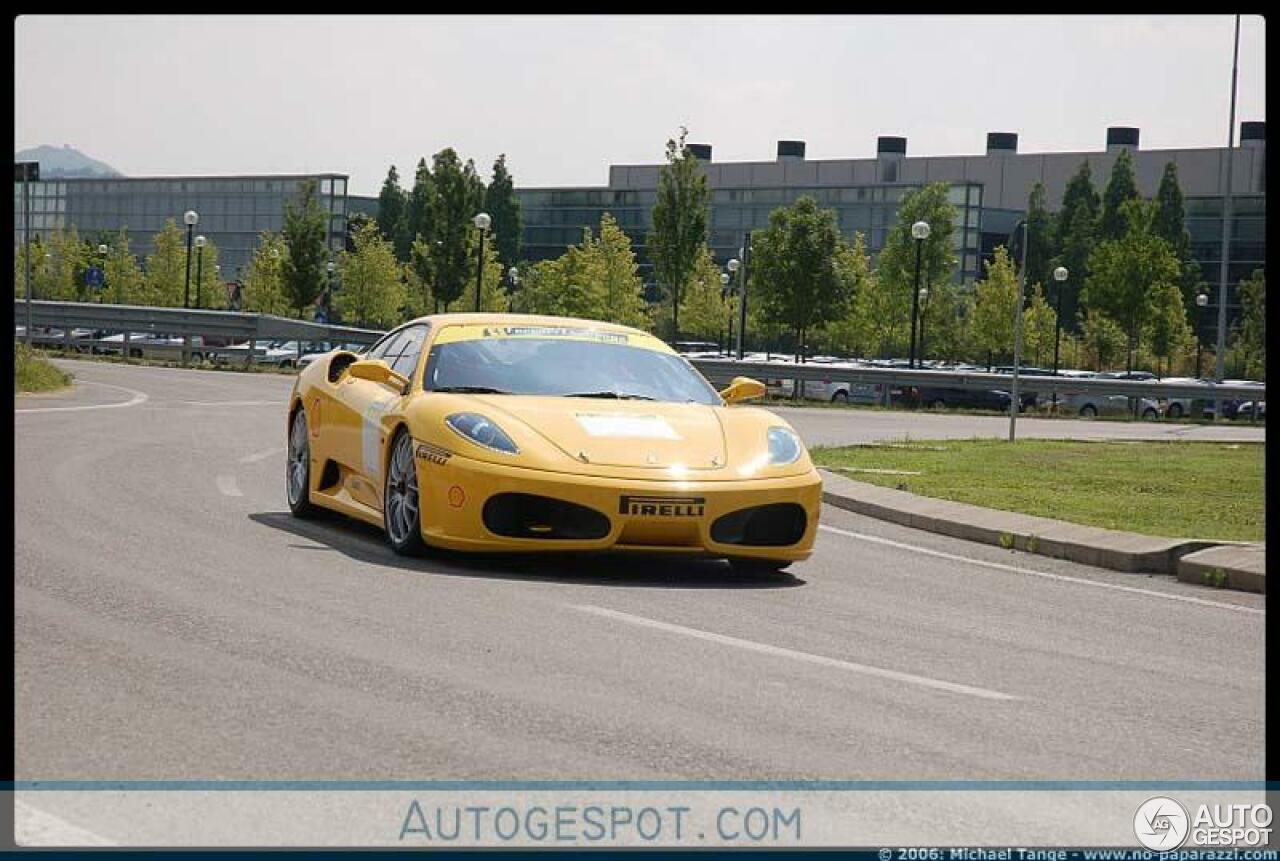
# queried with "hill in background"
point(65, 162)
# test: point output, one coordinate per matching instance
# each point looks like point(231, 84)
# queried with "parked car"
point(1088, 405)
point(150, 345)
point(262, 352)
point(942, 397)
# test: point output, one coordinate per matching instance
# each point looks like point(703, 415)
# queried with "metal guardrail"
point(183, 322)
point(726, 369)
point(233, 325)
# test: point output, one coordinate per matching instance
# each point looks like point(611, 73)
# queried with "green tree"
point(504, 208)
point(1040, 235)
point(206, 281)
point(1102, 338)
point(392, 213)
point(421, 277)
point(1251, 338)
point(1122, 187)
point(794, 268)
point(165, 282)
point(995, 298)
point(1075, 237)
point(453, 251)
point(39, 269)
point(263, 290)
point(847, 335)
point(304, 233)
point(679, 222)
point(1126, 273)
point(881, 313)
point(68, 260)
point(371, 293)
point(943, 315)
point(1167, 331)
point(706, 307)
point(897, 263)
point(123, 276)
point(420, 212)
point(1170, 225)
point(618, 275)
point(1037, 329)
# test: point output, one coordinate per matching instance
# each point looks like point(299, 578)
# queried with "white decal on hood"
point(626, 425)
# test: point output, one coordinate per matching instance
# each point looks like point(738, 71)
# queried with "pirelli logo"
point(663, 506)
point(433, 453)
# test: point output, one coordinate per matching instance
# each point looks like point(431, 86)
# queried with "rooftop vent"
point(1121, 137)
point(790, 150)
point(891, 145)
point(702, 152)
point(1253, 134)
point(1002, 142)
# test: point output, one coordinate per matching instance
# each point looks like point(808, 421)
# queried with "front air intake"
point(524, 515)
point(776, 525)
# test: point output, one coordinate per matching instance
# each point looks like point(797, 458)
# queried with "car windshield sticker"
point(371, 437)
point(452, 334)
point(626, 426)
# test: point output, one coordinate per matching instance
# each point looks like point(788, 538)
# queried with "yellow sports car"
point(511, 432)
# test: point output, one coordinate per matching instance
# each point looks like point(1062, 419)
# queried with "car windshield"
point(560, 366)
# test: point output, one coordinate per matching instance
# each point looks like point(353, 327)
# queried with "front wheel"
point(758, 567)
point(840, 397)
point(1088, 411)
point(1175, 411)
point(400, 499)
point(298, 467)
point(1150, 414)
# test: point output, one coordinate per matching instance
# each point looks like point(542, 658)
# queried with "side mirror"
point(743, 389)
point(376, 371)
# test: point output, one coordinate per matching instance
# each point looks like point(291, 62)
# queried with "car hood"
point(635, 434)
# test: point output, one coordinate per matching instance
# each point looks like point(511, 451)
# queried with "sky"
point(566, 96)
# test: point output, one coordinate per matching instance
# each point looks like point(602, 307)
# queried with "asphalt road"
point(173, 621)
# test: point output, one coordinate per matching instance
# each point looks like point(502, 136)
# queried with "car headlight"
point(481, 431)
point(784, 447)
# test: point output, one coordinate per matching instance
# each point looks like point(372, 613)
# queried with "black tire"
point(840, 397)
point(297, 467)
point(937, 404)
point(403, 523)
point(1088, 411)
point(197, 357)
point(758, 567)
point(1150, 415)
point(1175, 411)
point(135, 354)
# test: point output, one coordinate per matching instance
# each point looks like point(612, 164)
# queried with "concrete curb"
point(1243, 567)
point(1089, 545)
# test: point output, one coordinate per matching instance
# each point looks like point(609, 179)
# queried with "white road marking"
point(32, 827)
point(227, 485)
point(779, 651)
point(232, 403)
point(138, 397)
point(262, 455)
point(1017, 569)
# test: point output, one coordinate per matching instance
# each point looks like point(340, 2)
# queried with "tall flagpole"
point(1220, 368)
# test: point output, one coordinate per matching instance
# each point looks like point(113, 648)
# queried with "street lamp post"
point(735, 266)
point(328, 292)
point(726, 295)
point(481, 221)
point(1059, 275)
point(923, 293)
point(919, 232)
point(513, 281)
point(191, 218)
point(1202, 300)
point(200, 243)
point(102, 255)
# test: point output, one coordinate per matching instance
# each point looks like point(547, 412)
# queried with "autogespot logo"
point(1161, 824)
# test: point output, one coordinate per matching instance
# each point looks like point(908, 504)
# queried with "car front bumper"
point(664, 516)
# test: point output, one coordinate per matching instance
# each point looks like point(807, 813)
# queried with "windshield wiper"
point(470, 390)
point(622, 396)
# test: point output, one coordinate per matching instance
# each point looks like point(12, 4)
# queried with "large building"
point(990, 191)
point(233, 210)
